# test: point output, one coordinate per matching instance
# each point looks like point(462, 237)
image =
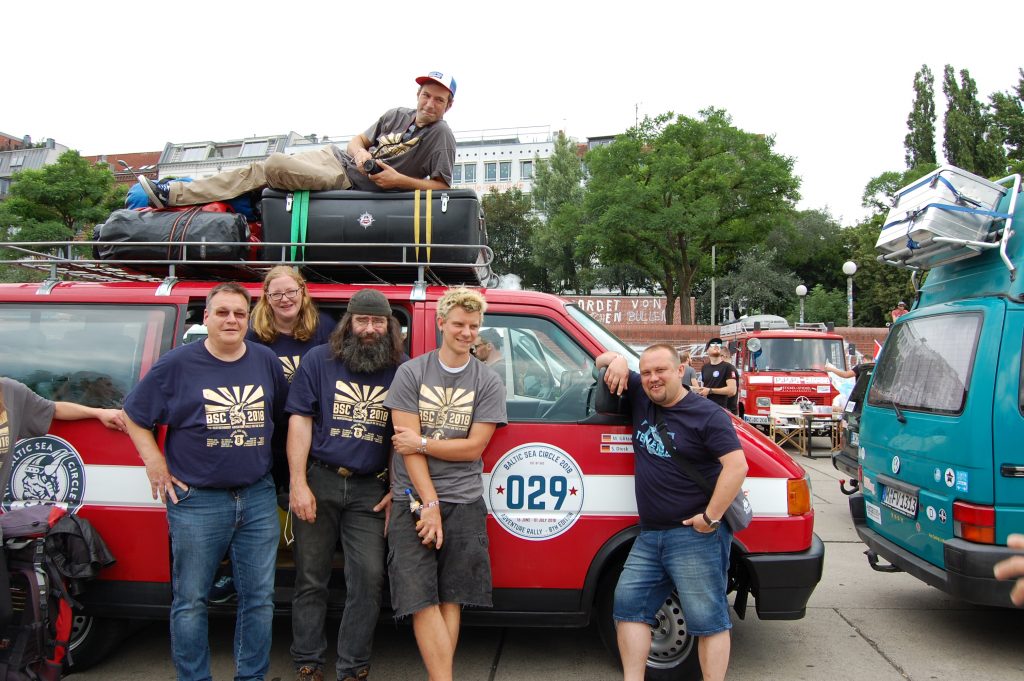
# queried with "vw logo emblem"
point(895, 465)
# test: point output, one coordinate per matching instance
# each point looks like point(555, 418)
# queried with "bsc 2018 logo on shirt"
point(45, 470)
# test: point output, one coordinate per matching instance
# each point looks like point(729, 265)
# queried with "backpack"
point(46, 556)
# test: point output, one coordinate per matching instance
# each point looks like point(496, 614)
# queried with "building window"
point(194, 154)
point(457, 174)
point(490, 172)
point(18, 161)
point(470, 173)
point(254, 148)
point(526, 170)
point(505, 171)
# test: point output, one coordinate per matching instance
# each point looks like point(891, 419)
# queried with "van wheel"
point(673, 655)
point(92, 639)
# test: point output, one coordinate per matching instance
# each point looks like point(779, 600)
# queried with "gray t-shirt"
point(448, 404)
point(689, 373)
point(25, 414)
point(429, 152)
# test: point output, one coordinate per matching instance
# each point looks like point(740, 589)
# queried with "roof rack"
point(762, 322)
point(78, 261)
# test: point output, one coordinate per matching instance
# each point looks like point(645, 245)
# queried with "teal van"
point(942, 429)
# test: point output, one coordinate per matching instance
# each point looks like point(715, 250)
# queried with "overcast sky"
point(831, 81)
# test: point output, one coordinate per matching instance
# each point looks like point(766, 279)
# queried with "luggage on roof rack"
point(337, 232)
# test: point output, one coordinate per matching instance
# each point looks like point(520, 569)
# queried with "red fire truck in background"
point(781, 365)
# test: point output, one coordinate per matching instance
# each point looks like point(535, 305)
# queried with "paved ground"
point(860, 625)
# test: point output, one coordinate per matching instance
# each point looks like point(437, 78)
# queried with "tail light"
point(799, 496)
point(974, 522)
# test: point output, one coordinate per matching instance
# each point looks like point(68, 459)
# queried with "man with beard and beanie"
point(339, 437)
point(719, 377)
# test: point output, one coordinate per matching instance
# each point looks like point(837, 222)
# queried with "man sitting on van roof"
point(409, 149)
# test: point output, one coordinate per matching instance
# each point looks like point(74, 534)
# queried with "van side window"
point(547, 375)
point(89, 354)
point(926, 364)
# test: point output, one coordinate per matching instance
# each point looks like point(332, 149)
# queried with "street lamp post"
point(801, 292)
point(849, 269)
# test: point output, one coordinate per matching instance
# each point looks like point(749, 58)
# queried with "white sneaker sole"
point(153, 198)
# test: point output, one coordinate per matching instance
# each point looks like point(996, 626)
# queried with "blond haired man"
point(445, 405)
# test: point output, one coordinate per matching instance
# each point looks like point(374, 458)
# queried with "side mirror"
point(604, 401)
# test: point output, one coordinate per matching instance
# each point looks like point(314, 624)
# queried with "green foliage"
point(823, 305)
point(71, 192)
point(1008, 120)
point(663, 193)
point(760, 282)
point(510, 233)
point(920, 140)
point(558, 194)
point(813, 245)
point(971, 141)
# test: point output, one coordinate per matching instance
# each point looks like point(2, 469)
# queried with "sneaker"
point(159, 193)
point(223, 590)
point(308, 673)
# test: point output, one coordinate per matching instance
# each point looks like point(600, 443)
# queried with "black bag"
point(171, 227)
point(739, 514)
point(425, 220)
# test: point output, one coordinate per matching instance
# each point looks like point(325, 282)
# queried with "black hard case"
point(448, 216)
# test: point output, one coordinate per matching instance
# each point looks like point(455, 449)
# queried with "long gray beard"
point(367, 358)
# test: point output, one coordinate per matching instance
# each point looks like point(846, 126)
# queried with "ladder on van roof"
point(78, 261)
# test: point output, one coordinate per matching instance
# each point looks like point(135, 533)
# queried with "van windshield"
point(88, 354)
point(926, 363)
point(796, 354)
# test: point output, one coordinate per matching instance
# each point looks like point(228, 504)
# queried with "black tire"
point(92, 639)
point(673, 655)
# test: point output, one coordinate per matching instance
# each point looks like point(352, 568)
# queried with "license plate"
point(900, 501)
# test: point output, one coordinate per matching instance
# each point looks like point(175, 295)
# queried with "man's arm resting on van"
point(470, 448)
point(428, 527)
point(1013, 567)
point(69, 411)
point(300, 498)
point(617, 376)
point(161, 481)
point(734, 470)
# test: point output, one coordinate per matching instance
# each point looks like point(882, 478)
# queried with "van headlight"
point(764, 402)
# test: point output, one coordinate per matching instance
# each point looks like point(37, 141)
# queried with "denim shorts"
point(458, 572)
point(695, 564)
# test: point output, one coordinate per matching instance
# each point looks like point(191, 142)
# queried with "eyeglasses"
point(290, 294)
point(714, 345)
point(364, 320)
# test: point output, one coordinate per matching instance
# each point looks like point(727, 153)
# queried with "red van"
point(559, 476)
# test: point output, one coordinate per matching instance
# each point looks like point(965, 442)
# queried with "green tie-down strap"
point(300, 210)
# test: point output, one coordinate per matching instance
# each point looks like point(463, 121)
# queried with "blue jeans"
point(697, 564)
point(344, 511)
point(205, 524)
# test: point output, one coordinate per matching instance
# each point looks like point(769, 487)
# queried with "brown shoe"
point(308, 673)
point(361, 675)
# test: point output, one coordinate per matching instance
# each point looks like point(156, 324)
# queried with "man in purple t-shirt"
point(681, 531)
point(219, 400)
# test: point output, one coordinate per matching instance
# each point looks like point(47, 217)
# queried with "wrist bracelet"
point(423, 446)
point(431, 504)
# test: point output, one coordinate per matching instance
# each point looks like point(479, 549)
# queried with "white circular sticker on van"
point(45, 470)
point(536, 491)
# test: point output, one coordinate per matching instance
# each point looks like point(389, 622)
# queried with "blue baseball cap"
point(439, 77)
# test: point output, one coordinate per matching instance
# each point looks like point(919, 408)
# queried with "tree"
point(760, 282)
point(662, 194)
point(920, 140)
point(812, 245)
point(972, 140)
point(558, 194)
point(823, 305)
point(1008, 120)
point(510, 233)
point(71, 192)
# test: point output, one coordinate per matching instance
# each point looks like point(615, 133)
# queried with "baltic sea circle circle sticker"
point(45, 470)
point(536, 491)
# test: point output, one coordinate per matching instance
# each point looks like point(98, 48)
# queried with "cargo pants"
point(312, 170)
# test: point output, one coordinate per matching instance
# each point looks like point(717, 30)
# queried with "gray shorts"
point(460, 572)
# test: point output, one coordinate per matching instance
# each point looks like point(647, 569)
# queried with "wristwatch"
point(713, 524)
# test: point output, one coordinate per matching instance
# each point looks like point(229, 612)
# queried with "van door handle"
point(1010, 470)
